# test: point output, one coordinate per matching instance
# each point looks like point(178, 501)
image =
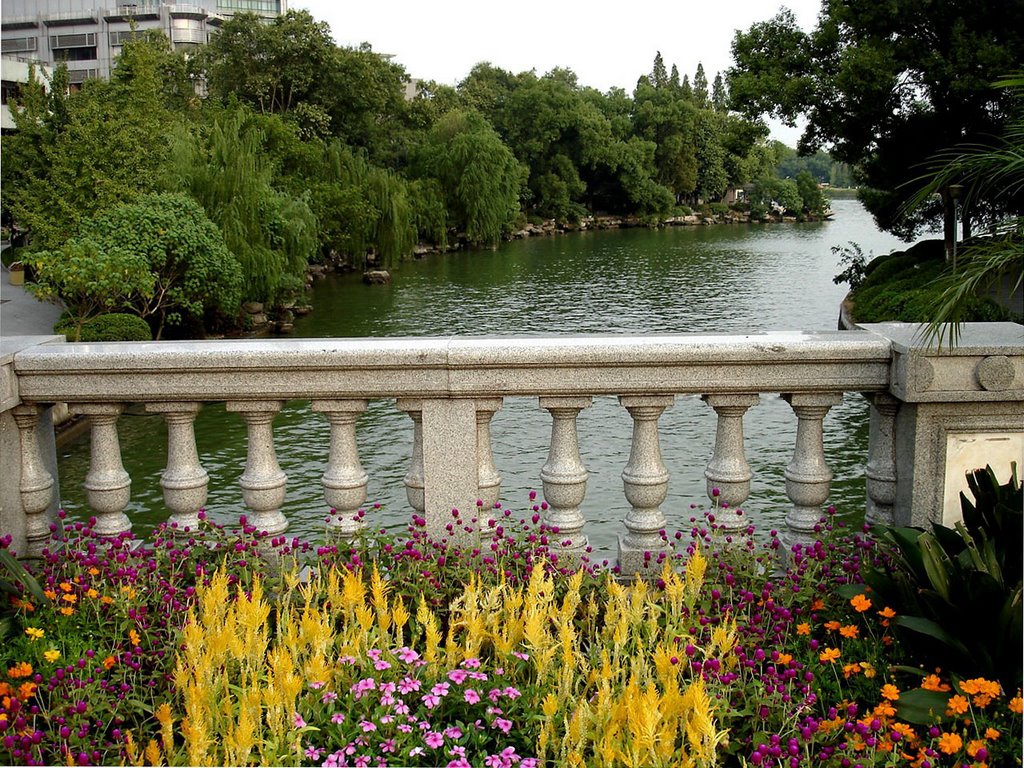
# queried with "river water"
point(714, 279)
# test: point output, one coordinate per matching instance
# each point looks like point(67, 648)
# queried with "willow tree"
point(479, 176)
point(273, 235)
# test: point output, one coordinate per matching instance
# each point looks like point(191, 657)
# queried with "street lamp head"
point(955, 190)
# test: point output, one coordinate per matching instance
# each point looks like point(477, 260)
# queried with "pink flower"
point(502, 724)
point(312, 753)
point(460, 763)
point(367, 726)
point(441, 689)
point(416, 751)
point(471, 696)
point(452, 733)
point(510, 756)
point(408, 685)
point(408, 655)
point(298, 721)
point(338, 718)
point(316, 685)
point(471, 663)
point(365, 685)
point(433, 739)
point(512, 693)
point(494, 761)
point(405, 728)
point(529, 762)
point(387, 688)
point(458, 676)
point(362, 761)
point(521, 655)
point(388, 746)
point(430, 701)
point(381, 665)
point(328, 697)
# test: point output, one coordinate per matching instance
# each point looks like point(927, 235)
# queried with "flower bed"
point(223, 647)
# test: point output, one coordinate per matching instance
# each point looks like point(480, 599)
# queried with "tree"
point(813, 202)
point(99, 148)
point(994, 168)
point(700, 87)
point(887, 85)
point(719, 94)
point(478, 175)
point(225, 168)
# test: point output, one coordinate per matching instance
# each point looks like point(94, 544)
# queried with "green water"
point(719, 279)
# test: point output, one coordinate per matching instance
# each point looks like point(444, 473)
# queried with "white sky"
point(606, 45)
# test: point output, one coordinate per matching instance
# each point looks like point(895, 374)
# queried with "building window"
point(19, 45)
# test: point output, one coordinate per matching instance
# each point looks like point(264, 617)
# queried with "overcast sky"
point(605, 45)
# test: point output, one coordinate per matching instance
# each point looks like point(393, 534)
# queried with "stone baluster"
point(728, 470)
point(881, 468)
point(563, 476)
point(263, 482)
point(808, 477)
point(184, 480)
point(645, 483)
point(108, 487)
point(344, 479)
point(36, 486)
point(488, 478)
point(415, 478)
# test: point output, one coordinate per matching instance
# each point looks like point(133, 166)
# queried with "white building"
point(88, 34)
point(13, 75)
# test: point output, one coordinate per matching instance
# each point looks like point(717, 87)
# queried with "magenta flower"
point(408, 655)
point(312, 753)
point(512, 693)
point(368, 726)
point(338, 718)
point(390, 745)
point(381, 665)
point(452, 733)
point(502, 724)
point(471, 696)
point(471, 663)
point(328, 696)
point(440, 689)
point(298, 721)
point(430, 701)
point(408, 685)
point(458, 676)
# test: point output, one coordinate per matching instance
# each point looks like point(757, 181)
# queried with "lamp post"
point(955, 190)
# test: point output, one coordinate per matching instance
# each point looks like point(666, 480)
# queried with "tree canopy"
point(885, 86)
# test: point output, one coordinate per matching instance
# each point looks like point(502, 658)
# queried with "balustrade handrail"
point(453, 367)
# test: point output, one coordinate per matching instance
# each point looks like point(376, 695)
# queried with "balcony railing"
point(451, 388)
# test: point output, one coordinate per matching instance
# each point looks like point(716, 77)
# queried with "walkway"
point(21, 314)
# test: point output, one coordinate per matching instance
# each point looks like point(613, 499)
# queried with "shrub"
point(115, 326)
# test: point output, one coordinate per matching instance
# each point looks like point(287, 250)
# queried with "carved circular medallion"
point(995, 373)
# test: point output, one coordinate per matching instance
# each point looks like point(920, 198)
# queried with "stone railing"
point(925, 404)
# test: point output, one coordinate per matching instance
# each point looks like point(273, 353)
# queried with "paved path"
point(21, 314)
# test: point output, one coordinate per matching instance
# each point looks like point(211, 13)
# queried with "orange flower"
point(67, 610)
point(22, 669)
point(933, 683)
point(982, 690)
point(784, 659)
point(64, 586)
point(869, 670)
point(991, 734)
point(886, 640)
point(1017, 704)
point(860, 603)
point(5, 689)
point(26, 691)
point(890, 692)
point(92, 593)
point(884, 709)
point(109, 662)
point(69, 598)
point(829, 655)
point(957, 705)
point(950, 743)
point(887, 613)
point(50, 594)
point(803, 629)
point(905, 730)
point(973, 747)
point(849, 670)
point(849, 631)
point(134, 637)
point(818, 604)
point(106, 599)
point(832, 626)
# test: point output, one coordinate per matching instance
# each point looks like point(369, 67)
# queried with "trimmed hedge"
point(111, 327)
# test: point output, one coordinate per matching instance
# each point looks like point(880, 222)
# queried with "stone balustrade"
point(921, 399)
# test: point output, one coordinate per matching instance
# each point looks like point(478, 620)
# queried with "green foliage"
point(905, 286)
point(192, 270)
point(812, 201)
point(115, 326)
point(852, 257)
point(957, 592)
point(882, 89)
point(478, 176)
point(101, 147)
point(90, 279)
point(272, 234)
point(771, 194)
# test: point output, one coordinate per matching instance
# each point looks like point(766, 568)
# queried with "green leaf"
point(931, 629)
point(921, 707)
